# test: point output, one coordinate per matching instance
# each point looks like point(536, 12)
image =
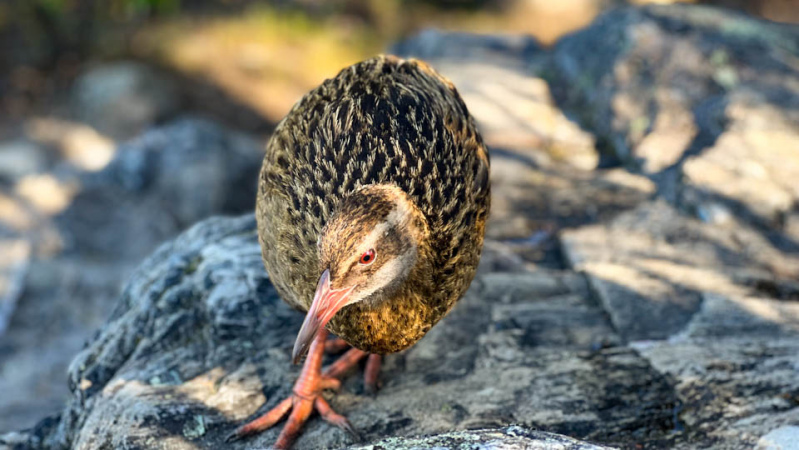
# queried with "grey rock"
point(737, 315)
point(701, 304)
point(157, 185)
point(702, 100)
point(432, 44)
point(513, 108)
point(19, 158)
point(14, 262)
point(651, 266)
point(732, 390)
point(509, 438)
point(532, 200)
point(199, 341)
point(121, 99)
point(714, 376)
point(735, 369)
point(168, 178)
point(783, 438)
point(752, 164)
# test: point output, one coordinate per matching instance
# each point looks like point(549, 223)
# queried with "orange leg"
point(336, 345)
point(373, 362)
point(306, 397)
point(370, 375)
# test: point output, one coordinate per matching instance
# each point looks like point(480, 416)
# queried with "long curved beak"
point(326, 303)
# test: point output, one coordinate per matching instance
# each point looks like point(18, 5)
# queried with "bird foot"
point(301, 408)
point(307, 396)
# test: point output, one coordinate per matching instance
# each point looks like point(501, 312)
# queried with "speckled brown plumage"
point(395, 124)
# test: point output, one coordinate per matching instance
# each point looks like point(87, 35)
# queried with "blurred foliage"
point(116, 9)
point(49, 29)
point(264, 56)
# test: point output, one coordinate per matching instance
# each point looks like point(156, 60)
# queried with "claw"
point(346, 426)
point(233, 436)
point(334, 418)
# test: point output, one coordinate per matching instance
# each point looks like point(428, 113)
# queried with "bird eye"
point(368, 257)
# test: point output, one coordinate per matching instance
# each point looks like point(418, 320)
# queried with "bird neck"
point(414, 224)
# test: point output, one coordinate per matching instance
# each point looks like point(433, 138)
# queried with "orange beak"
point(326, 303)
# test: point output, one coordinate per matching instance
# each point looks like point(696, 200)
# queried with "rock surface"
point(14, 261)
point(167, 179)
point(199, 341)
point(702, 100)
point(649, 305)
point(514, 110)
point(124, 98)
point(650, 267)
point(157, 186)
point(508, 438)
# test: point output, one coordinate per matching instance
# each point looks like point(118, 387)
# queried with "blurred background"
point(260, 56)
point(82, 79)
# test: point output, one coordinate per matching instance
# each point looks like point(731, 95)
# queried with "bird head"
point(367, 251)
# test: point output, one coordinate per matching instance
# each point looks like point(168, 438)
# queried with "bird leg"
point(370, 381)
point(336, 345)
point(306, 396)
point(373, 362)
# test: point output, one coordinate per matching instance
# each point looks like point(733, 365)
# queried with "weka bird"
point(371, 212)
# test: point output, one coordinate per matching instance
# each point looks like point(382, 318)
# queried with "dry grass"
point(264, 58)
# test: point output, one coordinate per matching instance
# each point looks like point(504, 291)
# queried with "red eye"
point(368, 257)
